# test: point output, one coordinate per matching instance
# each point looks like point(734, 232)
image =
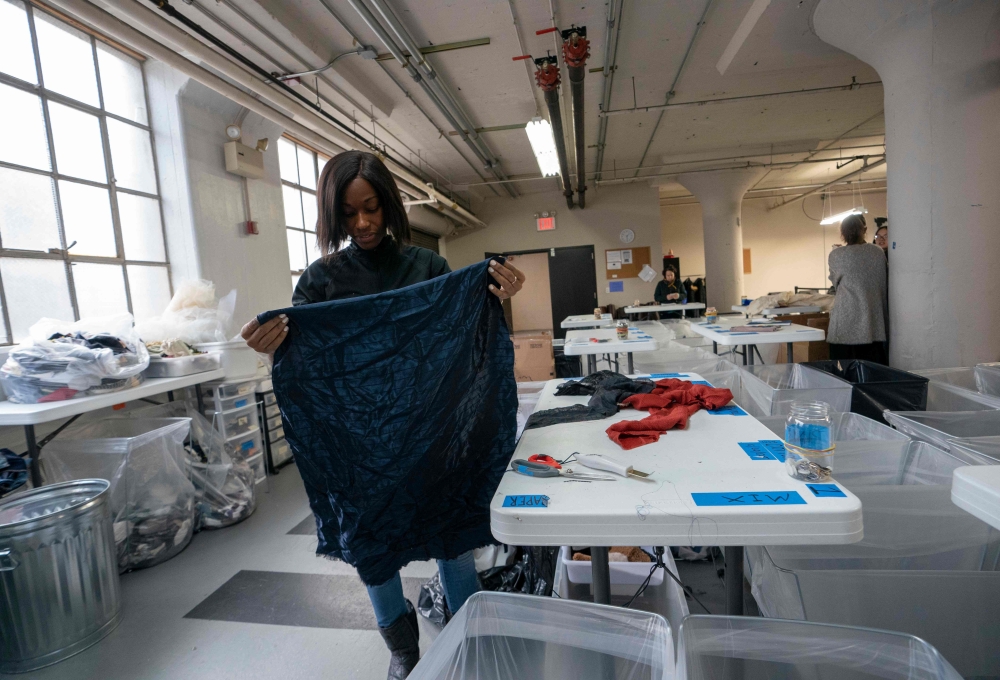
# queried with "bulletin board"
point(625, 263)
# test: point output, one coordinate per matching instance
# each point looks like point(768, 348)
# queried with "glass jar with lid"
point(809, 443)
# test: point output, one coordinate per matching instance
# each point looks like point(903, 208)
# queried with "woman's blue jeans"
point(458, 578)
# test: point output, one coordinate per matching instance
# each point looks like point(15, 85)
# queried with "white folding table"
point(704, 489)
point(582, 342)
point(976, 489)
point(29, 415)
point(777, 311)
point(722, 333)
point(644, 309)
point(587, 321)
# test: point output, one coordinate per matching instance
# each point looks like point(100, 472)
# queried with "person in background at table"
point(670, 291)
point(860, 308)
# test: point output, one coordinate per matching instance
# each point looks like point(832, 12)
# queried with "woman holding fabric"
point(670, 291)
point(860, 308)
point(364, 235)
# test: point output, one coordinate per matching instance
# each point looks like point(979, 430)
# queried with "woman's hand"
point(266, 338)
point(508, 277)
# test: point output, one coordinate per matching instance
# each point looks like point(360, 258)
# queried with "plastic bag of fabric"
point(401, 409)
point(64, 360)
point(712, 647)
point(878, 387)
point(499, 636)
point(193, 315)
point(432, 604)
point(224, 482)
point(940, 428)
point(152, 499)
point(13, 471)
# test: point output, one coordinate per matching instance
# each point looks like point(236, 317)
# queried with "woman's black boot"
point(402, 638)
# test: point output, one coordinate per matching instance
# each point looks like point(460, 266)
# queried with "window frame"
point(317, 158)
point(62, 254)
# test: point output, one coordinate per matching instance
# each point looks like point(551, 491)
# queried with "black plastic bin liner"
point(566, 367)
point(878, 387)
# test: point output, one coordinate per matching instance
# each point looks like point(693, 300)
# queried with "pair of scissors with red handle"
point(545, 460)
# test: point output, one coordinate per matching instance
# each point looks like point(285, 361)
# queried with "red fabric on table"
point(670, 404)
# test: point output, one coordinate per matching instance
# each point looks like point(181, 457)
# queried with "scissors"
point(535, 469)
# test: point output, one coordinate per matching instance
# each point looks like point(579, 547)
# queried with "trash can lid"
point(50, 500)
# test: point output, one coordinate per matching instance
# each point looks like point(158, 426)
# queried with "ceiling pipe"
point(547, 76)
point(576, 49)
point(867, 166)
point(267, 103)
point(613, 28)
point(429, 80)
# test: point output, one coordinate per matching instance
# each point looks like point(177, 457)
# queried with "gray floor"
point(249, 601)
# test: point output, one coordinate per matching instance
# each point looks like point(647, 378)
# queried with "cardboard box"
point(807, 351)
point(533, 359)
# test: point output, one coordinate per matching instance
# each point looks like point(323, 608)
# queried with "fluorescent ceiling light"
point(544, 145)
point(839, 217)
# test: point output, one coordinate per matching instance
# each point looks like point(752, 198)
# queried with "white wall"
point(787, 247)
point(609, 210)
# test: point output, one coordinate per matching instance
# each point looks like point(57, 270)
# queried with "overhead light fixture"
point(544, 145)
point(839, 217)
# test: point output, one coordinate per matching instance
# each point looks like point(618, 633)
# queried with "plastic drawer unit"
point(220, 396)
point(925, 567)
point(236, 422)
point(248, 443)
point(499, 636)
point(275, 434)
point(281, 453)
point(257, 465)
point(769, 390)
point(745, 648)
point(940, 428)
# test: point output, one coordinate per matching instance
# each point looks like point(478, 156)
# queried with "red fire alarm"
point(545, 221)
point(251, 227)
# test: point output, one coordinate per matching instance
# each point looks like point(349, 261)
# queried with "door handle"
point(8, 562)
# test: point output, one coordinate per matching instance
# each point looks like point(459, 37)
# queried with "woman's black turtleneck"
point(353, 272)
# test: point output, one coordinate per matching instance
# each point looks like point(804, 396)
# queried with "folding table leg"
point(631, 366)
point(789, 354)
point(748, 349)
point(744, 355)
point(715, 347)
point(602, 574)
point(33, 452)
point(591, 364)
point(734, 580)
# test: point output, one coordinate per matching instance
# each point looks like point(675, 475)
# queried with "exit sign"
point(546, 221)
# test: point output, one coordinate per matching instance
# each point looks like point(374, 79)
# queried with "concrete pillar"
point(939, 61)
point(720, 193)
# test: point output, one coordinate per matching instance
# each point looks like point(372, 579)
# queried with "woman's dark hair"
point(341, 170)
point(670, 268)
point(852, 229)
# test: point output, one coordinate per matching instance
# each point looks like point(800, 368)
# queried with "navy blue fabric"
point(401, 410)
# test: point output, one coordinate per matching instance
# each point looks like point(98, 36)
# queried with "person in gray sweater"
point(858, 321)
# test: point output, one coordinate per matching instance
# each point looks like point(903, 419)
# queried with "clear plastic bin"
point(745, 648)
point(959, 377)
point(500, 636)
point(942, 396)
point(257, 466)
point(730, 380)
point(769, 390)
point(924, 567)
point(248, 444)
point(152, 498)
point(236, 422)
point(987, 447)
point(941, 427)
point(173, 367)
point(988, 379)
point(622, 573)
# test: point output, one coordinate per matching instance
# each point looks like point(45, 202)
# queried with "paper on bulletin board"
point(647, 274)
point(613, 257)
point(614, 265)
point(626, 257)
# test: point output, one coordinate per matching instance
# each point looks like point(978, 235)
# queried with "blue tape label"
point(526, 502)
point(666, 375)
point(240, 403)
point(775, 447)
point(731, 410)
point(826, 491)
point(756, 451)
point(747, 498)
point(246, 445)
point(701, 382)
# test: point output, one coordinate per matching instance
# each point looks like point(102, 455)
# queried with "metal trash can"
point(59, 589)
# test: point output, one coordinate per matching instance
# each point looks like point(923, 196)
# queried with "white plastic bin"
point(924, 567)
point(173, 367)
point(941, 427)
point(942, 396)
point(745, 648)
point(622, 573)
point(769, 390)
point(502, 636)
point(238, 360)
point(988, 379)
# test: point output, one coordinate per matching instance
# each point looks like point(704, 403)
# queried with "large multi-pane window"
point(81, 230)
point(300, 168)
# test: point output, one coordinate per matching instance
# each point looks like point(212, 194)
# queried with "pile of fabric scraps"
point(13, 471)
point(64, 365)
point(670, 402)
point(168, 349)
point(669, 405)
point(618, 553)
